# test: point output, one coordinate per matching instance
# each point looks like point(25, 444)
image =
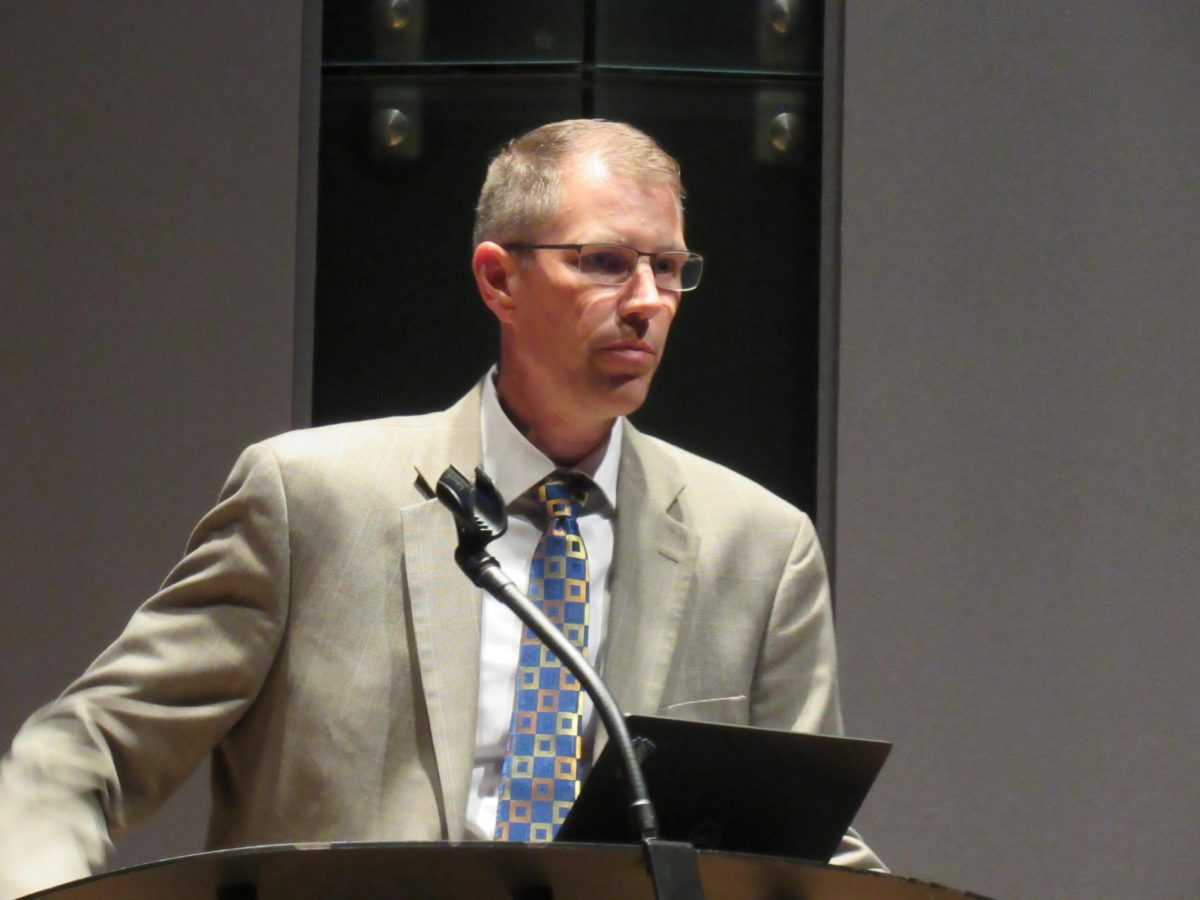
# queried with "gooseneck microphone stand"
point(480, 518)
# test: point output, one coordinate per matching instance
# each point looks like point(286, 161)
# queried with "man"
point(317, 637)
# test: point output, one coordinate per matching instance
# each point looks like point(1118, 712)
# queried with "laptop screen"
point(733, 788)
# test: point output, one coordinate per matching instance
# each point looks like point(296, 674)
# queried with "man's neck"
point(564, 441)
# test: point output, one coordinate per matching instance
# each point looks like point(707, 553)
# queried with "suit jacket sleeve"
point(796, 685)
point(140, 719)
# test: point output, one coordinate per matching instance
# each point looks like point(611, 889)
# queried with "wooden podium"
point(476, 871)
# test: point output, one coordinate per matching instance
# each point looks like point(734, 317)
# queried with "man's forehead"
point(594, 168)
point(592, 165)
point(596, 200)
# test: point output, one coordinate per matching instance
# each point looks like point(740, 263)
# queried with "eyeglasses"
point(674, 270)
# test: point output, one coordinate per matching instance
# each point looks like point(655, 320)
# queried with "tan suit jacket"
point(319, 636)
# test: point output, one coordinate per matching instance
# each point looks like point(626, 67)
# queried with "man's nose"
point(643, 299)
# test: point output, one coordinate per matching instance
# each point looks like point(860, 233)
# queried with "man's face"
point(590, 350)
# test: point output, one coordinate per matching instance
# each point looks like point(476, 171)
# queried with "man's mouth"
point(630, 346)
point(633, 356)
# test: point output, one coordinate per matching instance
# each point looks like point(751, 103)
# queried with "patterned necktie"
point(540, 776)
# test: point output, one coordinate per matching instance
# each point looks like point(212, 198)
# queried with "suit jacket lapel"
point(653, 566)
point(445, 610)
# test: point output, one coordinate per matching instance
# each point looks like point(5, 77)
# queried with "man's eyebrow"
point(621, 242)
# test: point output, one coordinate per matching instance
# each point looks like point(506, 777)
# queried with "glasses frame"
point(578, 248)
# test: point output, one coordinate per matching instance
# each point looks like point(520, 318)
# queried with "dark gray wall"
point(148, 169)
point(1018, 399)
point(1019, 417)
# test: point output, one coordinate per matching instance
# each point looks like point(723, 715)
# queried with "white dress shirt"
point(516, 466)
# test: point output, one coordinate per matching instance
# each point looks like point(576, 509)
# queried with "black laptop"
point(732, 788)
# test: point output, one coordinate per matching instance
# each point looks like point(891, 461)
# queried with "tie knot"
point(563, 494)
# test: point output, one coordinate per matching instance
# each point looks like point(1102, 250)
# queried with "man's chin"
point(625, 394)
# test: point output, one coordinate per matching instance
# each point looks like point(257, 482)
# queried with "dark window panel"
point(462, 32)
point(739, 380)
point(764, 36)
point(399, 326)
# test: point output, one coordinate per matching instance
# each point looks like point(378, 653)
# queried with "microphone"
point(480, 517)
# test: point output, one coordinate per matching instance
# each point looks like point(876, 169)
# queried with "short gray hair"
point(521, 191)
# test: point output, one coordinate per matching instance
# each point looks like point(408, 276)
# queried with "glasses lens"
point(607, 263)
point(683, 269)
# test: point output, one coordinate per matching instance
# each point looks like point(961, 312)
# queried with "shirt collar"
point(515, 465)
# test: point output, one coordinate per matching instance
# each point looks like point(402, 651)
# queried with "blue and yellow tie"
point(539, 779)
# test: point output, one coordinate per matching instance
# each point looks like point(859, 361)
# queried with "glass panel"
point(743, 348)
point(466, 31)
point(779, 36)
point(399, 326)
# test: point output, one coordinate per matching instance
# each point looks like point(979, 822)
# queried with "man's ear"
point(494, 268)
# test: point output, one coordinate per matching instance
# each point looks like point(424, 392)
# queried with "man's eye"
point(666, 265)
point(605, 262)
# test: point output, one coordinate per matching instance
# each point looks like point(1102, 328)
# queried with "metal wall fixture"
point(395, 129)
point(398, 30)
